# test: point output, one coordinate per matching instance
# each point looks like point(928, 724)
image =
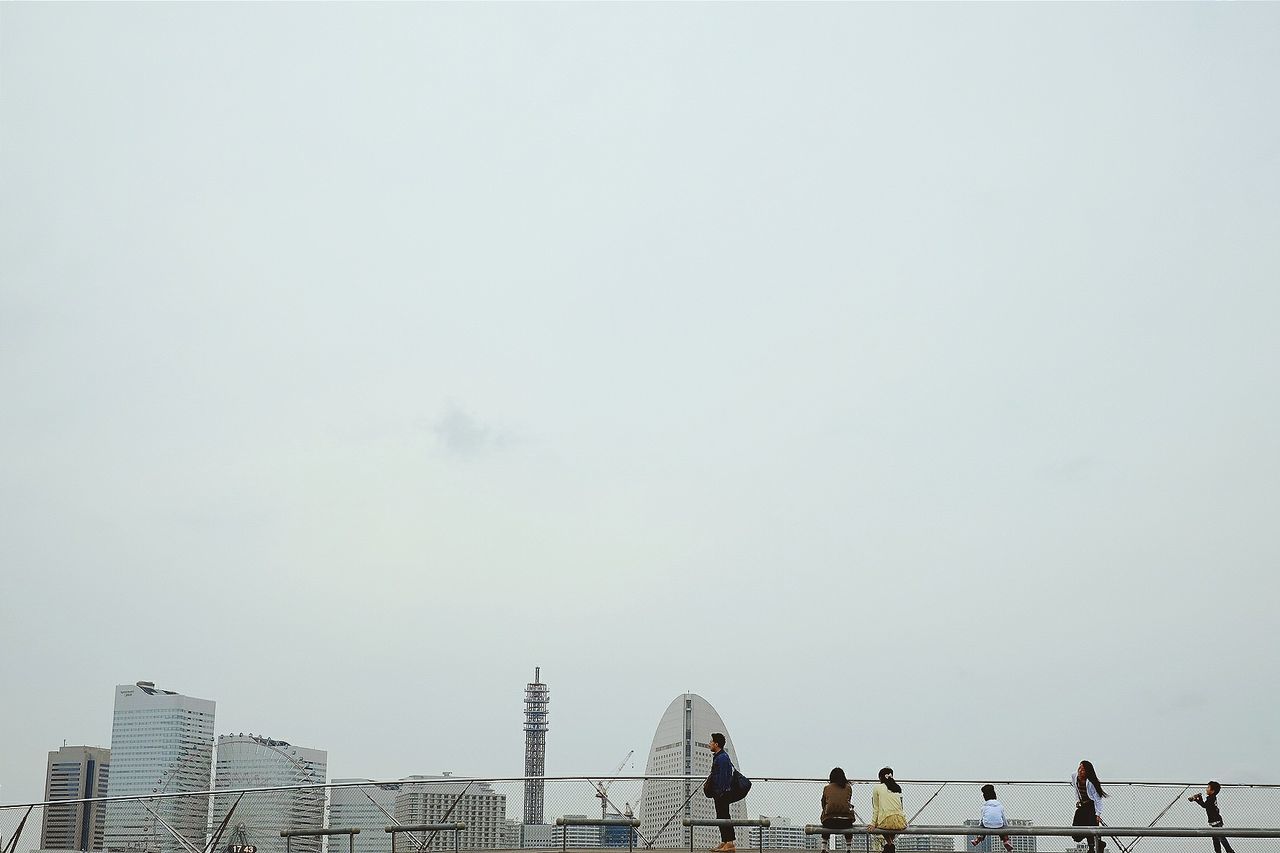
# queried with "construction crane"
point(602, 787)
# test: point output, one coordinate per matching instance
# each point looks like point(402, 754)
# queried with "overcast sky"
point(900, 378)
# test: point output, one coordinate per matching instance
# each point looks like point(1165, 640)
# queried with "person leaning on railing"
point(886, 810)
point(1088, 812)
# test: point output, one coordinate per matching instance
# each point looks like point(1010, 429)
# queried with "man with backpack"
point(720, 787)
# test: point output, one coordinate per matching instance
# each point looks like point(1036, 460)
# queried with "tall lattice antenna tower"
point(536, 697)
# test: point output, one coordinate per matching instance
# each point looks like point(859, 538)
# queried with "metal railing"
point(432, 828)
point(759, 823)
point(490, 810)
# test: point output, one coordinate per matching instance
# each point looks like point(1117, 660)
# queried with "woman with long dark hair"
point(886, 810)
point(1089, 796)
point(837, 807)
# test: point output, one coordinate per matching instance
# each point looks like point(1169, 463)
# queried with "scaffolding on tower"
point(536, 697)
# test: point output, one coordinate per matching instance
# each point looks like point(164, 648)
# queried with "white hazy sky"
point(901, 378)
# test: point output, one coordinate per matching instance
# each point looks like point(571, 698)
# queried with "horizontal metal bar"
point(597, 821)
point(1097, 831)
point(713, 821)
point(314, 833)
point(455, 780)
point(427, 827)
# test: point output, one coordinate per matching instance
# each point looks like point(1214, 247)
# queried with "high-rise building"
point(438, 799)
point(680, 749)
point(251, 761)
point(992, 843)
point(161, 743)
point(536, 697)
point(368, 807)
point(75, 773)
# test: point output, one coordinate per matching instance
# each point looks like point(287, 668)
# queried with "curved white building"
point(680, 749)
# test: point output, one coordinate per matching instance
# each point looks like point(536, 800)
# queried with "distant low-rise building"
point(438, 799)
point(575, 836)
point(365, 806)
point(780, 834)
point(925, 843)
point(535, 836)
point(510, 834)
point(992, 843)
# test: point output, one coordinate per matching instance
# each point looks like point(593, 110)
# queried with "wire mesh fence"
point(251, 822)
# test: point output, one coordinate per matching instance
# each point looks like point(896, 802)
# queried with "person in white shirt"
point(992, 816)
point(1089, 796)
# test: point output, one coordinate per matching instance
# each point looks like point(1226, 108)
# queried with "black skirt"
point(1085, 816)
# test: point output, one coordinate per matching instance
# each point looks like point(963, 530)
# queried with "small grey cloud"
point(463, 435)
point(1070, 469)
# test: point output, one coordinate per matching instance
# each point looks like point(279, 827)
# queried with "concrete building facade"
point(437, 799)
point(75, 773)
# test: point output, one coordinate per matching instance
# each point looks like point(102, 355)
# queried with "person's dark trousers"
point(722, 812)
point(838, 823)
point(1220, 844)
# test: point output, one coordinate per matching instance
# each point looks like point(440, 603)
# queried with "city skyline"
point(403, 773)
point(848, 364)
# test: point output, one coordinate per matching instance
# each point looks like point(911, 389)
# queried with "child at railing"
point(992, 816)
point(1209, 802)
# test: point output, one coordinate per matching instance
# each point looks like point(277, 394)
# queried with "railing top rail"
point(316, 833)
point(1100, 831)
point(466, 780)
point(426, 827)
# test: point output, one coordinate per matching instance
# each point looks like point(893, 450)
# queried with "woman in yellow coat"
point(886, 810)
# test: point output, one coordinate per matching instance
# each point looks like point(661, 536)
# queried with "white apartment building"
point(438, 799)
